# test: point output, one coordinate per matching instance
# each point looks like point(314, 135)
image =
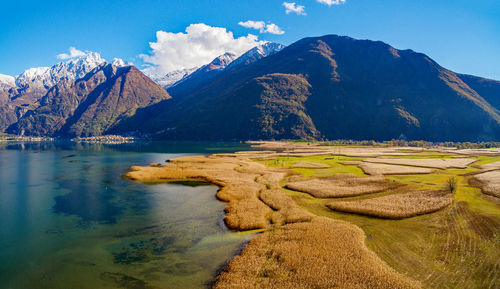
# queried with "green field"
point(457, 247)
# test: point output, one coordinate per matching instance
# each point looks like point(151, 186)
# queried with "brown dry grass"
point(250, 188)
point(396, 206)
point(341, 186)
point(322, 253)
point(491, 166)
point(384, 169)
point(459, 163)
point(309, 165)
point(489, 182)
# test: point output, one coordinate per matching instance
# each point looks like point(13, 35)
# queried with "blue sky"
point(461, 35)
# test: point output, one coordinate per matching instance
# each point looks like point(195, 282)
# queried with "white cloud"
point(262, 27)
point(73, 52)
point(259, 25)
point(274, 29)
point(199, 45)
point(331, 2)
point(291, 7)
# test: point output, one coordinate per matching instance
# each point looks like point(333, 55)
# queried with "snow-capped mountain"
point(46, 77)
point(218, 64)
point(257, 53)
point(7, 81)
point(119, 62)
point(169, 79)
point(35, 82)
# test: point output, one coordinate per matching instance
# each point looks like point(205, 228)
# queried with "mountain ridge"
point(328, 87)
point(360, 89)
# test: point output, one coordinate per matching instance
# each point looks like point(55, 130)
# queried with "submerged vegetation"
point(312, 239)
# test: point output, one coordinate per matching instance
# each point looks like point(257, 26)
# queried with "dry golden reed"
point(375, 169)
point(341, 186)
point(323, 253)
point(489, 182)
point(396, 206)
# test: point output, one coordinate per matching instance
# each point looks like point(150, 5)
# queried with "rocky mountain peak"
point(7, 81)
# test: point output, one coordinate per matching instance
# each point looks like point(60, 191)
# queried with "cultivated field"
point(399, 228)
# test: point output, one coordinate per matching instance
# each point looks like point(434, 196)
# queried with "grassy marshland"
point(456, 247)
point(308, 245)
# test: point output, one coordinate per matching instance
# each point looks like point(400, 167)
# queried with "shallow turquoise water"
point(69, 220)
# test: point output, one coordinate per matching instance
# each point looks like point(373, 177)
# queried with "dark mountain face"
point(90, 105)
point(333, 87)
point(489, 89)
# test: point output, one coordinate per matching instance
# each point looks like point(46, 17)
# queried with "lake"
point(69, 220)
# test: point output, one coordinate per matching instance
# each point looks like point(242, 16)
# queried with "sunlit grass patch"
point(334, 163)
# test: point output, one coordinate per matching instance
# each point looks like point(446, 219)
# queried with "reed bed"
point(436, 163)
point(384, 169)
point(491, 166)
point(323, 253)
point(252, 190)
point(236, 178)
point(396, 206)
point(339, 186)
point(489, 182)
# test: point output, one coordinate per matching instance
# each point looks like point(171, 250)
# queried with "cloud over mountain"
point(262, 27)
point(199, 45)
point(73, 52)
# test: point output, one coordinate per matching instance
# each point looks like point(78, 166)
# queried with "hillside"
point(332, 87)
point(90, 105)
point(489, 89)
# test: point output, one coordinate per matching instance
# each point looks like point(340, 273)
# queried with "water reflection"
point(68, 219)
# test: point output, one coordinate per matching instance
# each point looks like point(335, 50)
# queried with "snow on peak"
point(169, 79)
point(120, 62)
point(7, 81)
point(75, 68)
point(258, 52)
point(220, 62)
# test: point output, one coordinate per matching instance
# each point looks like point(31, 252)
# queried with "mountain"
point(197, 75)
point(7, 82)
point(202, 75)
point(90, 105)
point(489, 89)
point(333, 87)
point(169, 79)
point(227, 61)
point(39, 80)
point(256, 53)
point(34, 83)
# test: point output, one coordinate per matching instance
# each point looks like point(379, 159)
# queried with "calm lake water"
point(69, 220)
